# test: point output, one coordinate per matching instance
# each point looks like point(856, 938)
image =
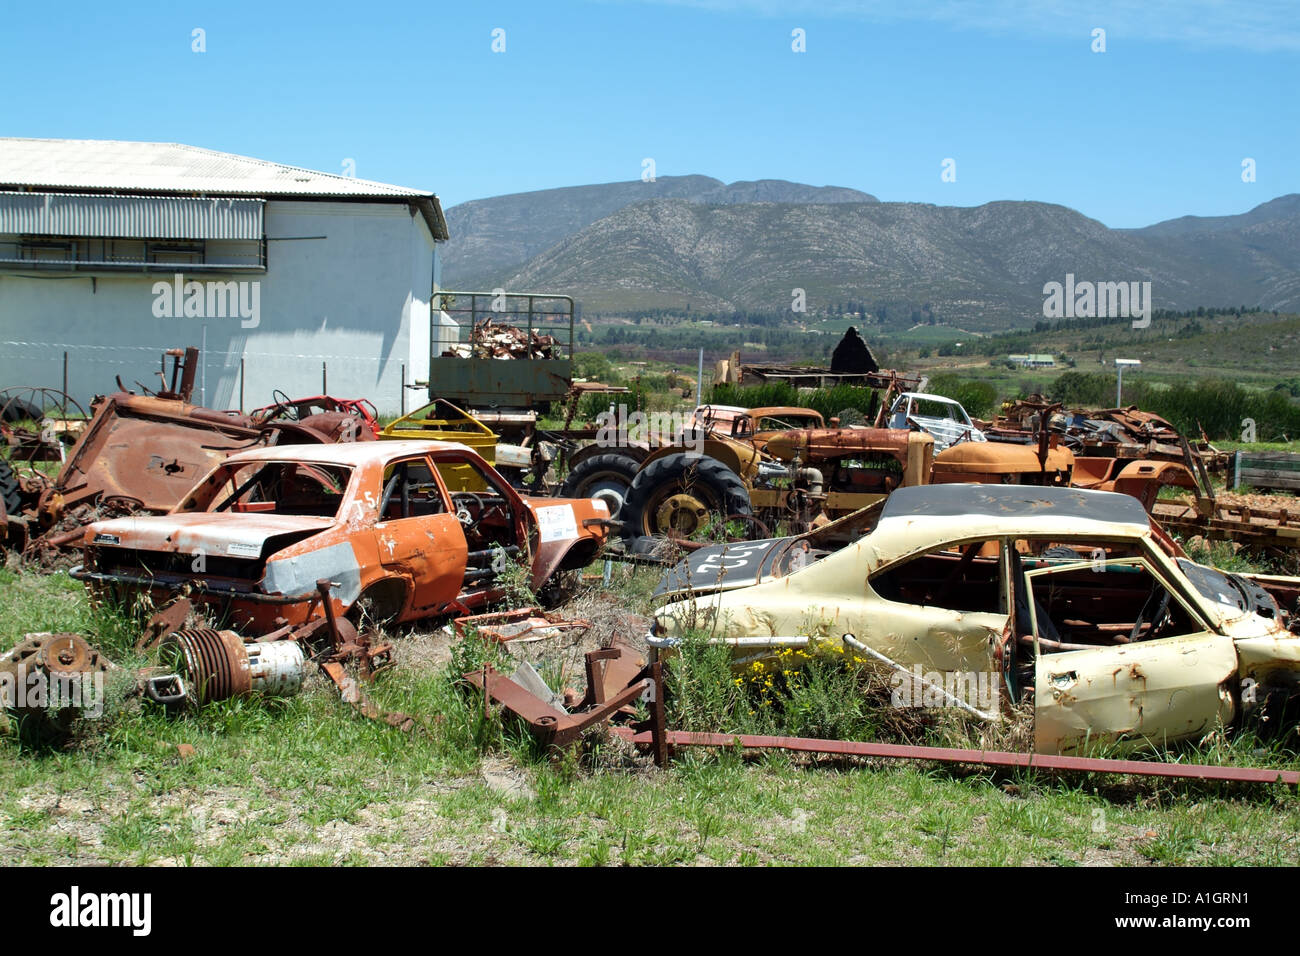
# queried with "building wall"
point(346, 285)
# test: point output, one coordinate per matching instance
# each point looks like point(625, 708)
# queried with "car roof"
point(1028, 508)
point(929, 396)
point(764, 411)
point(348, 453)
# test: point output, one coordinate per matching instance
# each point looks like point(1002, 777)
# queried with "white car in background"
point(944, 418)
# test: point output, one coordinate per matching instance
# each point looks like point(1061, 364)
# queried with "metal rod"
point(65, 373)
point(203, 368)
point(857, 645)
point(699, 381)
point(241, 385)
point(402, 389)
point(990, 758)
point(658, 732)
point(324, 379)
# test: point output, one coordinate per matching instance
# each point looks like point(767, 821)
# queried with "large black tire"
point(19, 409)
point(707, 479)
point(601, 476)
point(10, 492)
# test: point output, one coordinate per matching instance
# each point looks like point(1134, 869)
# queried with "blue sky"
point(1157, 126)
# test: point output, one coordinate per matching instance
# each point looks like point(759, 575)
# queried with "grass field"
point(306, 780)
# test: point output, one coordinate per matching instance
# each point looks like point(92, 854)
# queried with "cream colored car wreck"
point(1068, 599)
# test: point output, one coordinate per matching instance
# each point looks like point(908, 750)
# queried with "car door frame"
point(429, 552)
point(1131, 695)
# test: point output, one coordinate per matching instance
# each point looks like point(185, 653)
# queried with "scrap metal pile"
point(1127, 433)
point(295, 550)
point(498, 340)
point(137, 454)
point(194, 666)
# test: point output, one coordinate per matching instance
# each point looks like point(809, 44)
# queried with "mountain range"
point(695, 241)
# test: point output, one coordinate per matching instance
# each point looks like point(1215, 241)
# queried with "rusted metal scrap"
point(522, 624)
point(271, 522)
point(988, 758)
point(212, 665)
point(348, 645)
point(501, 341)
point(1127, 433)
point(615, 679)
point(142, 452)
point(48, 680)
point(163, 623)
point(218, 665)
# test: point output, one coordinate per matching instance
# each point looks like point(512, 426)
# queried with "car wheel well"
point(380, 603)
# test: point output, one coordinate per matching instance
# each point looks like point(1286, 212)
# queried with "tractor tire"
point(10, 491)
point(608, 477)
point(696, 480)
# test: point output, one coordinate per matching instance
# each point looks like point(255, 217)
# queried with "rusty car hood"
point(216, 533)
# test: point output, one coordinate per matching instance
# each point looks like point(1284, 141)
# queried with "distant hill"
point(490, 237)
point(746, 246)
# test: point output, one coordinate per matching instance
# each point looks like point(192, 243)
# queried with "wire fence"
point(226, 378)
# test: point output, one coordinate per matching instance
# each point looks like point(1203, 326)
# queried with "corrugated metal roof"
point(140, 217)
point(118, 166)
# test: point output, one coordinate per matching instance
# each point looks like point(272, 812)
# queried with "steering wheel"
point(463, 514)
point(283, 404)
point(1159, 620)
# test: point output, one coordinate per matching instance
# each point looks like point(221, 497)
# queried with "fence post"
point(402, 389)
point(324, 380)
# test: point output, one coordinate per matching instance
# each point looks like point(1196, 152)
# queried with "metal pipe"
point(699, 381)
point(742, 642)
point(990, 758)
point(957, 702)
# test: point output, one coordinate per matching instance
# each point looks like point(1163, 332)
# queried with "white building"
point(114, 251)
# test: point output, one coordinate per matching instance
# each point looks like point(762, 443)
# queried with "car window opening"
point(281, 488)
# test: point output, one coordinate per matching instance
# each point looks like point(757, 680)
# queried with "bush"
point(1092, 389)
point(828, 401)
point(1217, 406)
point(595, 366)
point(978, 398)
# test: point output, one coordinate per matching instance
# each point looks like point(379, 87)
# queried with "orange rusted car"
point(377, 519)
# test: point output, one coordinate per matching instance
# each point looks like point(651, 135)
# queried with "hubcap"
point(610, 491)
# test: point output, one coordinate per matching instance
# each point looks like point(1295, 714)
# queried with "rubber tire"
point(10, 491)
point(588, 469)
point(684, 470)
point(19, 409)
